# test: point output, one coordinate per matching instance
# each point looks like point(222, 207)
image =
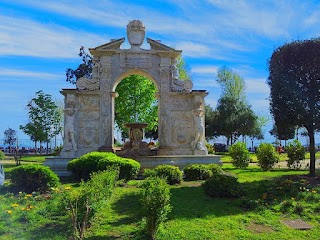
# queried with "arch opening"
point(136, 103)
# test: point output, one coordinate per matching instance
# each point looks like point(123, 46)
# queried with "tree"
point(211, 127)
point(294, 80)
point(233, 117)
point(184, 73)
point(83, 70)
point(10, 137)
point(256, 131)
point(283, 133)
point(232, 84)
point(44, 119)
point(136, 103)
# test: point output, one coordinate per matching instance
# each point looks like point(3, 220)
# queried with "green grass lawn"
point(194, 215)
point(225, 157)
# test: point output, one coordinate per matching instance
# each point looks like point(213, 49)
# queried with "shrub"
point(223, 185)
point(296, 152)
point(82, 167)
point(210, 148)
point(1, 155)
point(84, 202)
point(214, 168)
point(172, 174)
point(155, 204)
point(33, 178)
point(57, 150)
point(240, 155)
point(128, 168)
point(197, 172)
point(267, 156)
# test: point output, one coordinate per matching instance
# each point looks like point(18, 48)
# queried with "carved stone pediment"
point(113, 45)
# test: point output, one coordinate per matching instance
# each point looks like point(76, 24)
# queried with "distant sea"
point(27, 143)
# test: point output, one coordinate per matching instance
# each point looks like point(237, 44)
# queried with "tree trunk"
point(312, 153)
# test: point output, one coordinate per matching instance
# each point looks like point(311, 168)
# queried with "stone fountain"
point(89, 108)
point(135, 146)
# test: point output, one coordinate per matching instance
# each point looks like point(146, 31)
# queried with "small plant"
point(88, 199)
point(1, 155)
point(155, 204)
point(57, 150)
point(172, 174)
point(210, 148)
point(197, 172)
point(296, 152)
point(223, 185)
point(33, 178)
point(240, 155)
point(267, 156)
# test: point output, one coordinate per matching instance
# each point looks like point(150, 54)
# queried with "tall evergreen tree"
point(294, 80)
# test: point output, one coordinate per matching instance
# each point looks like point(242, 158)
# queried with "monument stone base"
point(59, 165)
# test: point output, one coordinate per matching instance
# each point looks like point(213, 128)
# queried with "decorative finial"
point(135, 33)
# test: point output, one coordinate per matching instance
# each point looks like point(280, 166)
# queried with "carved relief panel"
point(89, 120)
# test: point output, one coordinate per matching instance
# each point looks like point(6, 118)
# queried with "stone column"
point(107, 109)
point(164, 111)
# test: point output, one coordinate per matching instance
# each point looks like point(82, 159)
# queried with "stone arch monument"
point(89, 109)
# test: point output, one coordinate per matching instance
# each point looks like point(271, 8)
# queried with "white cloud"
point(192, 49)
point(257, 86)
point(24, 37)
point(10, 72)
point(205, 83)
point(259, 104)
point(205, 69)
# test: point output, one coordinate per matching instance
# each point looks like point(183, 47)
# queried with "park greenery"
point(10, 137)
point(136, 103)
point(294, 80)
point(44, 119)
point(233, 116)
point(251, 204)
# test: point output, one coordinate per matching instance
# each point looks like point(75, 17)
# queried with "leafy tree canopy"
point(44, 118)
point(232, 117)
point(136, 102)
point(294, 80)
point(10, 137)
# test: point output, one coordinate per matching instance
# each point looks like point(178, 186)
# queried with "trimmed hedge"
point(172, 174)
point(33, 178)
point(128, 168)
point(200, 171)
point(83, 166)
point(223, 185)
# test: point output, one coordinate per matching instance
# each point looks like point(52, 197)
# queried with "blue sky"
point(40, 39)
